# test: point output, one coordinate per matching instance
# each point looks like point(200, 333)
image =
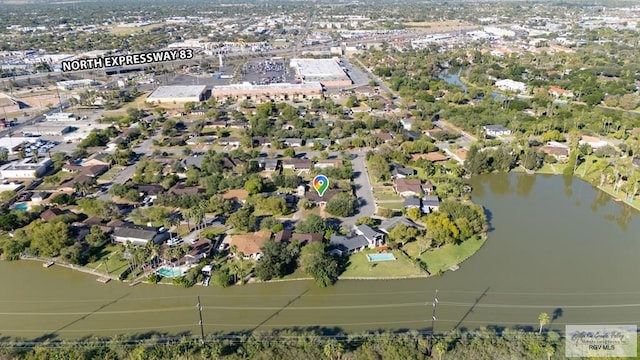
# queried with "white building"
point(178, 93)
point(27, 168)
point(508, 84)
point(60, 117)
point(496, 31)
point(76, 84)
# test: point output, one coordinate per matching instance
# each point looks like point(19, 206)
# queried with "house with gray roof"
point(412, 202)
point(388, 224)
point(430, 203)
point(344, 245)
point(374, 238)
point(138, 235)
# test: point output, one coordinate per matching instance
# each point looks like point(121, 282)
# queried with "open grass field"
point(125, 30)
point(393, 205)
point(441, 259)
point(114, 260)
point(359, 266)
point(385, 193)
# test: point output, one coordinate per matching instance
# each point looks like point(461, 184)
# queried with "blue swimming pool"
point(169, 272)
point(381, 257)
point(21, 206)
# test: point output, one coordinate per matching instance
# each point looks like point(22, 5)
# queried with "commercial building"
point(328, 72)
point(76, 84)
point(178, 93)
point(262, 93)
point(27, 168)
point(508, 84)
point(15, 144)
point(60, 117)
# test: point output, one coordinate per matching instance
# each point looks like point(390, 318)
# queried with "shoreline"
point(613, 196)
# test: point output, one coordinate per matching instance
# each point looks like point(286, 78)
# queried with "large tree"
point(322, 267)
point(342, 205)
point(278, 259)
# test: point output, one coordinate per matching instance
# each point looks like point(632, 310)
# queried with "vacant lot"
point(360, 266)
point(438, 26)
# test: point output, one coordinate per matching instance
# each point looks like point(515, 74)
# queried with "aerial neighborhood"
point(154, 172)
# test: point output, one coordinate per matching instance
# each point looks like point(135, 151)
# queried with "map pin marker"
point(321, 184)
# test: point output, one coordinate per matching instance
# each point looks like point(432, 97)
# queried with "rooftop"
point(269, 87)
point(178, 91)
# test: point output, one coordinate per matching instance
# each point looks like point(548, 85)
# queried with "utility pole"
point(199, 306)
point(433, 316)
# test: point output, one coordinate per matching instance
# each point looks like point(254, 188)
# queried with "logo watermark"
point(601, 341)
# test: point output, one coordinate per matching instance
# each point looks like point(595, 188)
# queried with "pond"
point(557, 245)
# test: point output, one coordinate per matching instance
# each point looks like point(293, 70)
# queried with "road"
point(364, 191)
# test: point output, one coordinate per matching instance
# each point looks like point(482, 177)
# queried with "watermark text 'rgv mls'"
point(126, 60)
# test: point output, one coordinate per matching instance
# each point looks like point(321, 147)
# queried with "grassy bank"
point(360, 267)
point(444, 257)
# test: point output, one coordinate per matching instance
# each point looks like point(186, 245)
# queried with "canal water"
point(556, 245)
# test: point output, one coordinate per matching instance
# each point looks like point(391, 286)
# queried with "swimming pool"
point(169, 272)
point(21, 206)
point(381, 257)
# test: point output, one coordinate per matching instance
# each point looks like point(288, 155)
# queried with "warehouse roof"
point(177, 91)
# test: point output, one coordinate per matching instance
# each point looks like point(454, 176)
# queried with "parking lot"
point(268, 71)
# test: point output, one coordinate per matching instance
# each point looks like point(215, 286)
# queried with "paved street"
point(364, 191)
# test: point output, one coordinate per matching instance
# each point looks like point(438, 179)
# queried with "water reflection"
point(601, 199)
point(524, 184)
point(500, 184)
point(568, 182)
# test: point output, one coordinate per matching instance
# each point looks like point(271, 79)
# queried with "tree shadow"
point(557, 314)
point(475, 303)
point(280, 310)
point(54, 334)
point(489, 216)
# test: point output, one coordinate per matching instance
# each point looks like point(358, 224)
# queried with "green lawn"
point(446, 256)
point(359, 266)
point(551, 169)
point(110, 174)
point(114, 261)
point(392, 205)
point(298, 274)
point(385, 193)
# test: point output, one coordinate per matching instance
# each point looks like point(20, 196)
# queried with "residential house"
point(496, 130)
point(593, 141)
point(325, 142)
point(412, 202)
point(306, 239)
point(344, 246)
point(199, 250)
point(401, 172)
point(250, 245)
point(97, 159)
point(150, 190)
point(386, 137)
point(268, 164)
point(318, 200)
point(387, 225)
point(430, 203)
point(229, 141)
point(297, 164)
point(51, 214)
point(557, 150)
point(215, 125)
point(96, 221)
point(138, 235)
point(328, 163)
point(303, 239)
point(557, 92)
point(408, 187)
point(260, 141)
point(293, 142)
point(181, 189)
point(374, 237)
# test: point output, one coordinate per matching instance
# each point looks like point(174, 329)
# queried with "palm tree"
point(543, 318)
point(549, 351)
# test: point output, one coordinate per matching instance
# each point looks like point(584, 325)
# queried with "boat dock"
point(454, 267)
point(103, 280)
point(48, 264)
